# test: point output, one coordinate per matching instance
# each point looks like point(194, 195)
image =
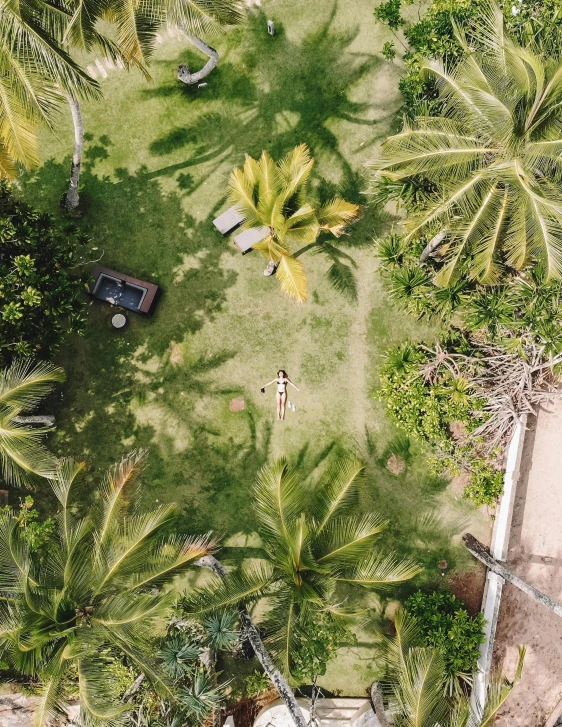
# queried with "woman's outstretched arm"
point(269, 383)
point(294, 385)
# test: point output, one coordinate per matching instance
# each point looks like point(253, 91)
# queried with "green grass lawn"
point(156, 166)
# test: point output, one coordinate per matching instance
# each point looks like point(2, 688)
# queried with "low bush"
point(40, 287)
point(445, 623)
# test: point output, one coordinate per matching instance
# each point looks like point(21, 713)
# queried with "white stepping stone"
point(92, 72)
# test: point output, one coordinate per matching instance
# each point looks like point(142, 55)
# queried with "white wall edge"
point(500, 545)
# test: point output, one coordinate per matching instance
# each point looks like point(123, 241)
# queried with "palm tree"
point(275, 195)
point(23, 459)
point(96, 595)
point(490, 163)
point(313, 546)
point(135, 28)
point(416, 678)
point(36, 73)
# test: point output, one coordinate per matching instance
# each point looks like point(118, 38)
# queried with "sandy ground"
point(535, 553)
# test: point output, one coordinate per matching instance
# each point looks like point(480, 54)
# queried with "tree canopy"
point(95, 597)
point(40, 283)
point(489, 163)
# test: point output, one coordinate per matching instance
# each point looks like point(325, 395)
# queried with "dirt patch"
point(237, 404)
point(469, 587)
point(458, 430)
point(245, 711)
point(535, 536)
point(459, 482)
point(395, 465)
point(175, 352)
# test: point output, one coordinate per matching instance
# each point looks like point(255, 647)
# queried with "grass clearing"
point(156, 165)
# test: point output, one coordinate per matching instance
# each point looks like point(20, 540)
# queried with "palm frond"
point(24, 384)
point(498, 691)
point(336, 497)
point(246, 585)
point(23, 459)
point(292, 277)
point(336, 215)
point(348, 538)
point(378, 571)
point(279, 498)
point(118, 491)
point(170, 558)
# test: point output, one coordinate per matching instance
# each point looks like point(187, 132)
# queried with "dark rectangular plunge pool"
point(124, 291)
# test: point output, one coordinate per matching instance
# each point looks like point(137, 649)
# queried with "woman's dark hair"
point(282, 371)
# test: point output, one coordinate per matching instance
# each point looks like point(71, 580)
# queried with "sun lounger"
point(229, 220)
point(248, 238)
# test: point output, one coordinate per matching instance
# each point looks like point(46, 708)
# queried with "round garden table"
point(118, 320)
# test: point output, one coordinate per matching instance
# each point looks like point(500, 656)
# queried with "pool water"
point(118, 292)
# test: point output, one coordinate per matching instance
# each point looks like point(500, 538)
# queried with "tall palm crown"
point(415, 685)
point(23, 386)
point(36, 73)
point(313, 545)
point(276, 195)
point(136, 23)
point(95, 594)
point(491, 162)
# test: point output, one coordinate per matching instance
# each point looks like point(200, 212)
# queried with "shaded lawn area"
point(156, 165)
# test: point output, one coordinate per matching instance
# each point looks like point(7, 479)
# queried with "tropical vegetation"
point(24, 460)
point(40, 282)
point(313, 544)
point(444, 623)
point(416, 683)
point(67, 613)
point(276, 195)
point(88, 600)
point(131, 43)
point(37, 73)
point(486, 166)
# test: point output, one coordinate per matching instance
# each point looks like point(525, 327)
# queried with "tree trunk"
point(432, 245)
point(482, 554)
point(184, 74)
point(378, 704)
point(71, 199)
point(134, 688)
point(253, 634)
point(44, 420)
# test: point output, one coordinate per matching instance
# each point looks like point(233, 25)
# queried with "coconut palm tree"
point(315, 548)
point(23, 459)
point(490, 163)
point(276, 195)
point(416, 678)
point(36, 74)
point(135, 27)
point(96, 595)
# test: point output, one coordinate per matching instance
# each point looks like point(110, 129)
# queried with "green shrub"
point(257, 683)
point(446, 624)
point(39, 287)
point(486, 484)
point(433, 36)
point(421, 408)
point(39, 535)
point(315, 644)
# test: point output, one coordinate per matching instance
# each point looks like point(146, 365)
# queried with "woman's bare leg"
point(283, 404)
point(279, 396)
